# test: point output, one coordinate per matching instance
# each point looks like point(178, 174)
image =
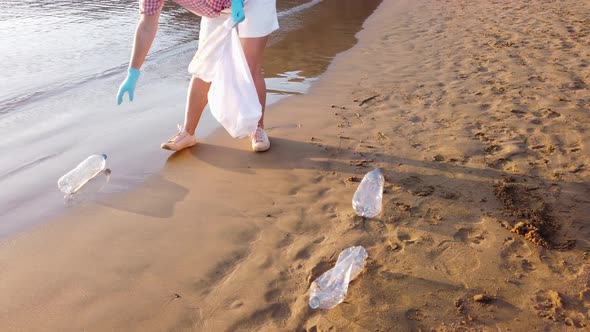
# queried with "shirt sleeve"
point(150, 7)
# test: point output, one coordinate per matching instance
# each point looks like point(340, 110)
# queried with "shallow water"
point(51, 44)
point(62, 62)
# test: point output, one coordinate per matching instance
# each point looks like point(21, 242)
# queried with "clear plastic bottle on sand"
point(368, 198)
point(86, 170)
point(330, 288)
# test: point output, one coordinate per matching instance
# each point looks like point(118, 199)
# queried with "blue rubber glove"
point(128, 85)
point(237, 10)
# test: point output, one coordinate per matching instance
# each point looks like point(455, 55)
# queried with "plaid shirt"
point(207, 8)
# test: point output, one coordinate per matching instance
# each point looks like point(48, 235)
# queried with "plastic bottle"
point(86, 170)
point(368, 198)
point(330, 288)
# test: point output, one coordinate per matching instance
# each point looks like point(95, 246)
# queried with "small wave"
point(24, 166)
point(9, 105)
point(299, 8)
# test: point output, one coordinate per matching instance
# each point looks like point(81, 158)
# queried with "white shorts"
point(261, 20)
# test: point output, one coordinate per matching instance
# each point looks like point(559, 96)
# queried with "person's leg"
point(254, 50)
point(196, 100)
point(198, 89)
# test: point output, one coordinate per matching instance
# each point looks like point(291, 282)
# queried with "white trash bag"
point(232, 97)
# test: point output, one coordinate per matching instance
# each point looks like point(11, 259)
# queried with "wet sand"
point(475, 111)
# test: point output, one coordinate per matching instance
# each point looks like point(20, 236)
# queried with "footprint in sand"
point(279, 294)
point(216, 275)
point(272, 295)
point(305, 252)
point(274, 312)
point(416, 187)
point(267, 264)
point(409, 46)
point(516, 255)
point(470, 235)
point(541, 144)
point(415, 315)
point(518, 113)
point(499, 154)
point(584, 297)
point(567, 268)
point(406, 238)
point(555, 306)
point(328, 209)
point(235, 304)
point(484, 107)
point(542, 115)
point(285, 241)
point(295, 190)
point(548, 113)
point(576, 147)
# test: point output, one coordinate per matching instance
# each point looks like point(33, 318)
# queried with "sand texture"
point(476, 111)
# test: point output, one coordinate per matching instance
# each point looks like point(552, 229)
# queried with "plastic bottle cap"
point(314, 302)
point(104, 156)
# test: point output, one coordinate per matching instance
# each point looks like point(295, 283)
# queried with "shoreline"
point(435, 94)
point(131, 133)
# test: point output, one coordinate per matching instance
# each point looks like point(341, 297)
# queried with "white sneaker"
point(181, 140)
point(260, 141)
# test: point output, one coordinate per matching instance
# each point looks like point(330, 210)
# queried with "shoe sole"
point(261, 150)
point(166, 147)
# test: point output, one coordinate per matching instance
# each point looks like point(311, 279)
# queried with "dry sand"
point(478, 119)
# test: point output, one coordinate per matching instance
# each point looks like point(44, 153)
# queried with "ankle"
point(188, 131)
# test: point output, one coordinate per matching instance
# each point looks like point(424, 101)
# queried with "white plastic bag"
point(232, 97)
